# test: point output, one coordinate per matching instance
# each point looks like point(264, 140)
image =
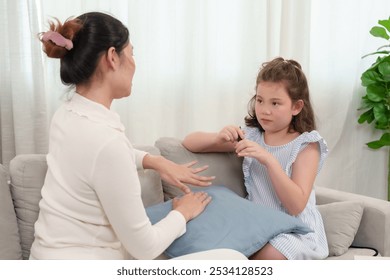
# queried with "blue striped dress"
point(260, 190)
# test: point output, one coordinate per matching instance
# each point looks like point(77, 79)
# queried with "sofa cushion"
point(341, 222)
point(229, 221)
point(225, 166)
point(9, 235)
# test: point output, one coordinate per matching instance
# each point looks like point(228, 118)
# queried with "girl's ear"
point(297, 107)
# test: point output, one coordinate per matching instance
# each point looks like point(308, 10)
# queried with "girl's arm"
point(223, 141)
point(293, 192)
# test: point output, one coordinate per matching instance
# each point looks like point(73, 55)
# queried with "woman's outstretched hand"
point(191, 204)
point(178, 174)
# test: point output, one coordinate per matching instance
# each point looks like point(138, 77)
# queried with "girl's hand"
point(191, 204)
point(230, 133)
point(247, 148)
point(179, 174)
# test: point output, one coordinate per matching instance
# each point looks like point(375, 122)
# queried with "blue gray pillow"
point(229, 221)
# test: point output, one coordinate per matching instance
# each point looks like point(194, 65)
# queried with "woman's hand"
point(178, 174)
point(191, 204)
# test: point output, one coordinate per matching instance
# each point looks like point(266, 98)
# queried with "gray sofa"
point(20, 194)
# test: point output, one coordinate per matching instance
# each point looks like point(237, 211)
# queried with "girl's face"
point(274, 107)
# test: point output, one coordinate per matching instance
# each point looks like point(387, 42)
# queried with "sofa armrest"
point(374, 229)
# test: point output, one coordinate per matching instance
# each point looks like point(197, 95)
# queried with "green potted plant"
point(376, 101)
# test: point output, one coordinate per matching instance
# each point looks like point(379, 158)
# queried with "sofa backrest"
point(27, 176)
point(9, 234)
point(27, 173)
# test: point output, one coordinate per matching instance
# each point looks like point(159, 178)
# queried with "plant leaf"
point(380, 32)
point(378, 61)
point(384, 69)
point(385, 23)
point(383, 141)
point(381, 113)
point(367, 116)
point(376, 93)
point(375, 145)
point(370, 77)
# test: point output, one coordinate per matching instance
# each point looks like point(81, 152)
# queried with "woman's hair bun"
point(57, 42)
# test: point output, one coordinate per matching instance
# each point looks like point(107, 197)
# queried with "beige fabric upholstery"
point(374, 229)
point(9, 234)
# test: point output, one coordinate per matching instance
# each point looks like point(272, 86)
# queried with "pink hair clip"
point(57, 39)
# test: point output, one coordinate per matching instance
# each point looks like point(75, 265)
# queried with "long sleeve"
point(139, 156)
point(118, 188)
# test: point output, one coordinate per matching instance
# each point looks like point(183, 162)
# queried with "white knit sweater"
point(91, 205)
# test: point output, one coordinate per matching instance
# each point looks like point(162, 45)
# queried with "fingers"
point(233, 133)
point(183, 187)
point(192, 178)
point(241, 135)
point(200, 169)
point(201, 181)
point(245, 147)
point(190, 163)
point(203, 197)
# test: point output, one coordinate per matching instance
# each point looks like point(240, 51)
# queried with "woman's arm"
point(115, 180)
point(223, 141)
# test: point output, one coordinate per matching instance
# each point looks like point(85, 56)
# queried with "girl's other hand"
point(247, 148)
point(191, 204)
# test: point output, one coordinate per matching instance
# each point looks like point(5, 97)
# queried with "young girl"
point(282, 156)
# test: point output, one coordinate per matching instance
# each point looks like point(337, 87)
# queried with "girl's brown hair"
point(288, 72)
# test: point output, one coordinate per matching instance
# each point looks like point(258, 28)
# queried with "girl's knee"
point(268, 252)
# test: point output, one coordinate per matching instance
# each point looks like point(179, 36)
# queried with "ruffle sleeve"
point(303, 140)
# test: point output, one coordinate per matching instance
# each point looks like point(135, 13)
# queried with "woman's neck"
point(98, 94)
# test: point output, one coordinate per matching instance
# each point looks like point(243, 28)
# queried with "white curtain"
point(23, 110)
point(197, 61)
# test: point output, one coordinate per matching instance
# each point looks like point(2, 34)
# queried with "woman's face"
point(127, 70)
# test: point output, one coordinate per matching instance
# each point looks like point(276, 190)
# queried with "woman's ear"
point(112, 58)
point(297, 107)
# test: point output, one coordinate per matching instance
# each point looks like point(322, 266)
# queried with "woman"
point(91, 205)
